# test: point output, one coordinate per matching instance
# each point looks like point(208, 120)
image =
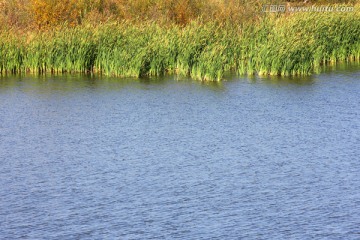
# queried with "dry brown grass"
point(50, 13)
point(42, 14)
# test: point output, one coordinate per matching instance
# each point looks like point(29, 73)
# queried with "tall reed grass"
point(296, 44)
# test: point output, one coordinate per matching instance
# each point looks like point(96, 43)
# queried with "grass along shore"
point(295, 44)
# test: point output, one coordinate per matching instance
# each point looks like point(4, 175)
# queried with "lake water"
point(166, 158)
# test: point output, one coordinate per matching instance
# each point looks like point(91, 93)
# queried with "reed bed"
point(296, 44)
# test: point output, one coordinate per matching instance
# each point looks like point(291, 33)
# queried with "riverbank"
point(275, 44)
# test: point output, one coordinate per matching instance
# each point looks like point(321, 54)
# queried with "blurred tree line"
point(42, 14)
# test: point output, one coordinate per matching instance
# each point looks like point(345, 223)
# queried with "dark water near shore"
point(258, 158)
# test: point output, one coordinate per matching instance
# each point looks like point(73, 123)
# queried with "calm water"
point(90, 158)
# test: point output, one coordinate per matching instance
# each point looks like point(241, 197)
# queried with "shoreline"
point(276, 45)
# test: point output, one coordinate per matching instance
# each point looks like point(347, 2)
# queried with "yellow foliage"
point(54, 12)
point(14, 13)
point(26, 14)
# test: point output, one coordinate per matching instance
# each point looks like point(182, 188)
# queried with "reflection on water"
point(63, 83)
point(44, 84)
point(79, 82)
point(341, 67)
point(290, 80)
point(89, 157)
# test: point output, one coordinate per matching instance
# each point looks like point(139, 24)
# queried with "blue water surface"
point(248, 158)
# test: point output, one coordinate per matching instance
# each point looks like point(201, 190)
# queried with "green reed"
point(297, 44)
